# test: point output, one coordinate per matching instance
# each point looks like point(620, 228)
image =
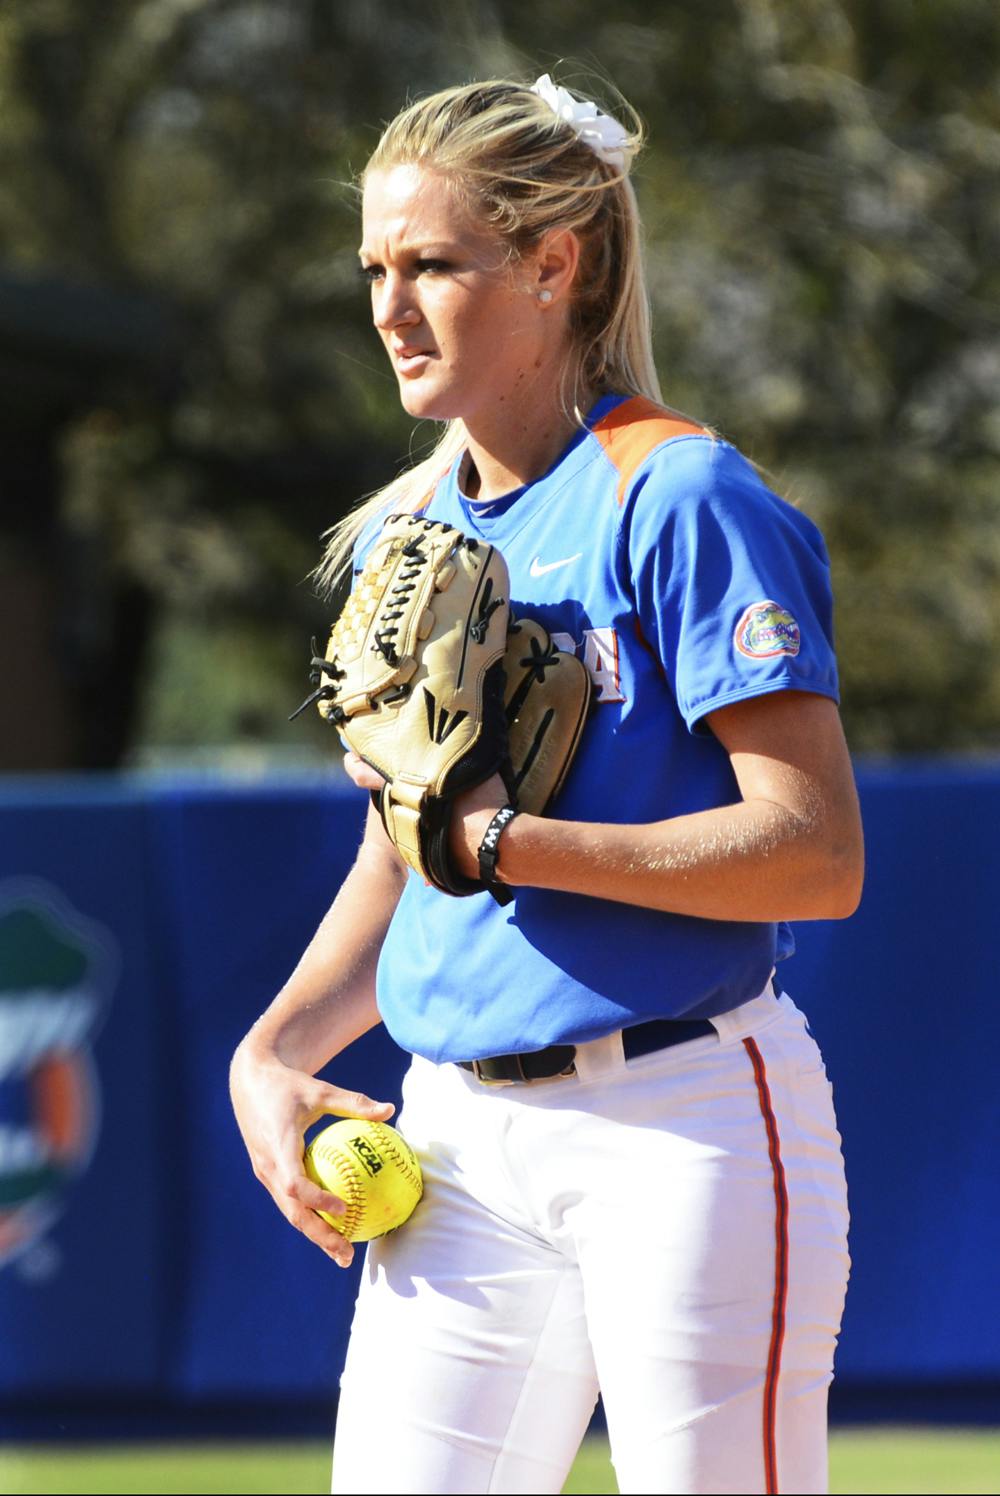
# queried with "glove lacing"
point(325, 691)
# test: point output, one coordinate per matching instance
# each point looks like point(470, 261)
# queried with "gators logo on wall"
point(765, 630)
point(57, 971)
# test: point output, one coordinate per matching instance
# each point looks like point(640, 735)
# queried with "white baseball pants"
point(671, 1231)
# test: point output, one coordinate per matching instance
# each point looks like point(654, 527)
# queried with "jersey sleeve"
point(364, 541)
point(731, 583)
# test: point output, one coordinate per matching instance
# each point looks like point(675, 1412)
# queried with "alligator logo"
point(765, 630)
point(57, 972)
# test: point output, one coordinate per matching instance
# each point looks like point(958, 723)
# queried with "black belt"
point(560, 1059)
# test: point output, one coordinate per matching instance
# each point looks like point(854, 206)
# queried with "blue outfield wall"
point(144, 924)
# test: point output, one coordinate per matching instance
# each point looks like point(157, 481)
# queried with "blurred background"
point(190, 393)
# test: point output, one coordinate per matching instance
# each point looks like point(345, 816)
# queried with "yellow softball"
point(373, 1169)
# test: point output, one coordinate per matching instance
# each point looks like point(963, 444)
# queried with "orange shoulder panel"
point(633, 429)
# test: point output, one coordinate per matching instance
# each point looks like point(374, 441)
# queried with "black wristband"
point(489, 851)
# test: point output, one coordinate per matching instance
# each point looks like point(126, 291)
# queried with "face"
point(460, 323)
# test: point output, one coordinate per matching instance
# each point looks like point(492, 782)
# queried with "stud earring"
point(545, 297)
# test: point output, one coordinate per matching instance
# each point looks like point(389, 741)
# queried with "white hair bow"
point(605, 136)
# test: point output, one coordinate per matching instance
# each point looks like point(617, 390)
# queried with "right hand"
point(274, 1106)
point(364, 776)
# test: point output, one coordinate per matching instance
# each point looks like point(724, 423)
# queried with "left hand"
point(471, 814)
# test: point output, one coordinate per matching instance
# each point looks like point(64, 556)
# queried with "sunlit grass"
point(876, 1460)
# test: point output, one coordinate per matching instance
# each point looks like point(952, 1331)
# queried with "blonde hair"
point(523, 171)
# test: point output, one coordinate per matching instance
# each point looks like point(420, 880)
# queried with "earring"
point(545, 297)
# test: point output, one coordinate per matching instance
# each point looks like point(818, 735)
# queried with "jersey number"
point(600, 655)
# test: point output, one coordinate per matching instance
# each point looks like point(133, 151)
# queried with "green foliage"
point(822, 199)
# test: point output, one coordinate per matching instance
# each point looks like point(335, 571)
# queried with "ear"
point(555, 264)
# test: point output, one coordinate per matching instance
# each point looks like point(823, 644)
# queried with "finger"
point(298, 1198)
point(322, 1235)
point(364, 776)
point(332, 1101)
point(313, 1196)
point(324, 1100)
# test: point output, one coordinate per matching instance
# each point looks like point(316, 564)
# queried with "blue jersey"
point(657, 553)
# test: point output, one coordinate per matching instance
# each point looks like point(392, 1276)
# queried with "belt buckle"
point(491, 1080)
point(522, 1079)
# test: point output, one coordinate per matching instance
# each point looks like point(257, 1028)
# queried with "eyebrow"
point(429, 249)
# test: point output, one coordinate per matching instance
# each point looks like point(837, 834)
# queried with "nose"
point(392, 304)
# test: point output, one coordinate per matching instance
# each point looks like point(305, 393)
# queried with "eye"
point(371, 273)
point(432, 267)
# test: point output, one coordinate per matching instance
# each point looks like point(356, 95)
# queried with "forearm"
point(327, 1003)
point(790, 848)
point(329, 999)
point(755, 860)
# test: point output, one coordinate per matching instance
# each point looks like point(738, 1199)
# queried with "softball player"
point(633, 1174)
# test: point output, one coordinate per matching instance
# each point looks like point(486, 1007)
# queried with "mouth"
point(411, 361)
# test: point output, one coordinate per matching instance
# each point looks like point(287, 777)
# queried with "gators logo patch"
point(57, 971)
point(765, 630)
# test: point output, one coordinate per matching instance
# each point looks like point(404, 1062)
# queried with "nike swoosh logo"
point(537, 570)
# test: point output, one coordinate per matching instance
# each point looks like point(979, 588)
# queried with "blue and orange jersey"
point(655, 551)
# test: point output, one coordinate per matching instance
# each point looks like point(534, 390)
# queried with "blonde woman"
point(634, 1180)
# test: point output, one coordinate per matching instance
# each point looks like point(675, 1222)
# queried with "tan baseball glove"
point(430, 680)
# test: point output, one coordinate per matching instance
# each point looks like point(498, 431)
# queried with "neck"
point(519, 439)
